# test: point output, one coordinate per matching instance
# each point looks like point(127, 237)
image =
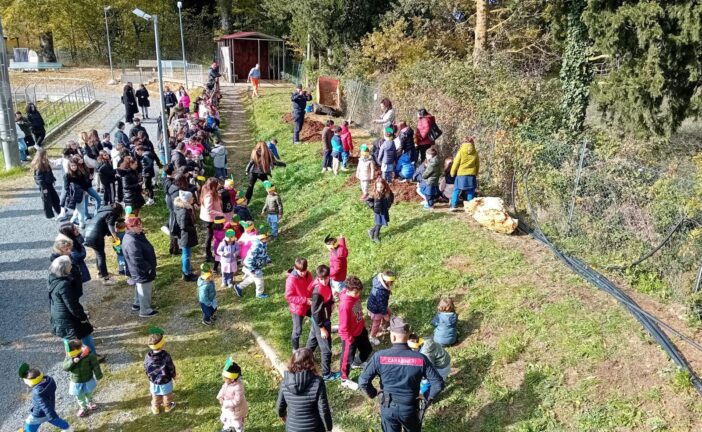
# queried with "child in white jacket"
point(365, 172)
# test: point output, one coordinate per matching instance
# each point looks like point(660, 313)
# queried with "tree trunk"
point(481, 24)
point(46, 41)
point(225, 13)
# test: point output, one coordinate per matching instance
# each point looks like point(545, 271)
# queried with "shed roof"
point(250, 35)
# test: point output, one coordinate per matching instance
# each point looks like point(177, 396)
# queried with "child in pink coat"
point(217, 237)
point(246, 239)
point(232, 398)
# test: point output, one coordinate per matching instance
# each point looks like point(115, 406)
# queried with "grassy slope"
point(538, 349)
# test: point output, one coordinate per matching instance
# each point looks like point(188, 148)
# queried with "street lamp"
point(109, 45)
point(182, 43)
point(164, 120)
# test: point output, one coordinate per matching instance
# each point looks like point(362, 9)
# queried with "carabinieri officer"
point(401, 371)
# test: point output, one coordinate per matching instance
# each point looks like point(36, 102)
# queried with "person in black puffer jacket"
point(37, 124)
point(44, 178)
point(75, 185)
point(108, 176)
point(131, 185)
point(103, 224)
point(185, 218)
point(302, 398)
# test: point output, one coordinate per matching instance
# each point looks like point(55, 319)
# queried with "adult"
point(178, 158)
point(213, 74)
point(302, 399)
point(130, 103)
point(184, 100)
point(298, 294)
point(134, 131)
point(388, 118)
point(170, 100)
point(425, 122)
point(44, 178)
point(259, 167)
point(210, 208)
point(121, 137)
point(184, 212)
point(68, 231)
point(103, 224)
point(299, 101)
point(465, 168)
point(142, 96)
point(254, 78)
point(140, 258)
point(68, 318)
point(36, 123)
point(131, 185)
point(401, 371)
point(26, 127)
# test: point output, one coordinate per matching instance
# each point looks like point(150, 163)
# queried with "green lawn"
point(536, 347)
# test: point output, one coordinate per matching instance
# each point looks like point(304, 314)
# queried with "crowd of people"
point(117, 178)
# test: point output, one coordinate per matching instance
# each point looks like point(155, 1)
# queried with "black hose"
point(654, 250)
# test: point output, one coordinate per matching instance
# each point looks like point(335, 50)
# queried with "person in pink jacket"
point(232, 398)
point(247, 238)
point(184, 101)
point(210, 208)
point(298, 294)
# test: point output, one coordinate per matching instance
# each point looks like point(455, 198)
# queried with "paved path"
point(25, 242)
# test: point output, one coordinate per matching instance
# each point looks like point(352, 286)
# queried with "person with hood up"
point(43, 400)
point(429, 187)
point(299, 297)
point(37, 124)
point(302, 399)
point(465, 168)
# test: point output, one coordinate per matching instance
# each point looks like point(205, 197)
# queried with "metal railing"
point(145, 71)
point(56, 103)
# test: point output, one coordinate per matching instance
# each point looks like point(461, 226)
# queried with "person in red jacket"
point(298, 294)
point(352, 329)
point(424, 123)
point(321, 311)
point(338, 260)
point(347, 143)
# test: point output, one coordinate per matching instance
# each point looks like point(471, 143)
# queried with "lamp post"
point(182, 43)
point(109, 45)
point(164, 120)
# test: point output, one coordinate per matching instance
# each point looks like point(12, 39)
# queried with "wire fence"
point(623, 214)
point(146, 71)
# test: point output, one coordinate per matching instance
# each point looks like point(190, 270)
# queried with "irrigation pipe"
point(604, 284)
point(654, 250)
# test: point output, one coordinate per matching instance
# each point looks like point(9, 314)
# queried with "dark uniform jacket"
point(401, 371)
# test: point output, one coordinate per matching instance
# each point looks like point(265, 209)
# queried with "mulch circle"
point(404, 191)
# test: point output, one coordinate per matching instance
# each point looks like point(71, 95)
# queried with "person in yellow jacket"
point(465, 168)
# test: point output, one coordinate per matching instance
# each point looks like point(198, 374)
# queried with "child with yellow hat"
point(161, 372)
point(207, 295)
point(365, 171)
point(84, 368)
point(232, 398)
point(43, 400)
point(228, 250)
point(378, 303)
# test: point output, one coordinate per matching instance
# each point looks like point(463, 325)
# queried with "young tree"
point(481, 31)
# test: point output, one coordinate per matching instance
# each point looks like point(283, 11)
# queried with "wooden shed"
point(239, 52)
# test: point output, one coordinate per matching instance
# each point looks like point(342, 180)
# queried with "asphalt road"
point(26, 237)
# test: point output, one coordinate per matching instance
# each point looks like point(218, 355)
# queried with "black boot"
point(192, 277)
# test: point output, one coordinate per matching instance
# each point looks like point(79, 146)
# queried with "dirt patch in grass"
point(404, 191)
point(311, 129)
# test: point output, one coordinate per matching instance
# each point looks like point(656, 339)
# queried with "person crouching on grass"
point(380, 202)
point(161, 372)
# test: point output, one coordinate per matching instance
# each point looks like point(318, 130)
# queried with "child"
point(43, 400)
point(256, 258)
point(365, 171)
point(337, 150)
point(352, 329)
point(327, 134)
point(445, 322)
point(207, 295)
point(219, 159)
point(407, 141)
point(447, 182)
point(380, 202)
point(347, 143)
point(232, 398)
point(273, 208)
point(235, 225)
point(84, 368)
point(107, 175)
point(121, 228)
point(242, 209)
point(273, 147)
point(338, 262)
point(378, 309)
point(321, 310)
point(228, 197)
point(228, 250)
point(246, 239)
point(298, 294)
point(429, 188)
point(161, 371)
point(217, 237)
point(437, 355)
point(387, 155)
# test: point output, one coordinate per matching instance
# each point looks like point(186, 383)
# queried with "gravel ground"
point(25, 241)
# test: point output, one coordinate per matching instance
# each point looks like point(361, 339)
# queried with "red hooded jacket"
point(346, 139)
point(338, 258)
point(298, 290)
point(351, 321)
point(423, 127)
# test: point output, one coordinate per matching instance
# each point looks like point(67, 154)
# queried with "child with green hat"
point(387, 155)
point(273, 208)
point(43, 400)
point(254, 262)
point(84, 368)
point(228, 251)
point(207, 295)
point(365, 171)
point(232, 398)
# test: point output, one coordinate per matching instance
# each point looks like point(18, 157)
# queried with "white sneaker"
point(324, 170)
point(149, 202)
point(349, 385)
point(374, 341)
point(165, 230)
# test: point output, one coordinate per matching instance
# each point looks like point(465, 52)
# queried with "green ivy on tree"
point(576, 72)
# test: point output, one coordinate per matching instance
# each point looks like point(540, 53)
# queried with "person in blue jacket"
point(43, 400)
point(445, 323)
point(299, 101)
